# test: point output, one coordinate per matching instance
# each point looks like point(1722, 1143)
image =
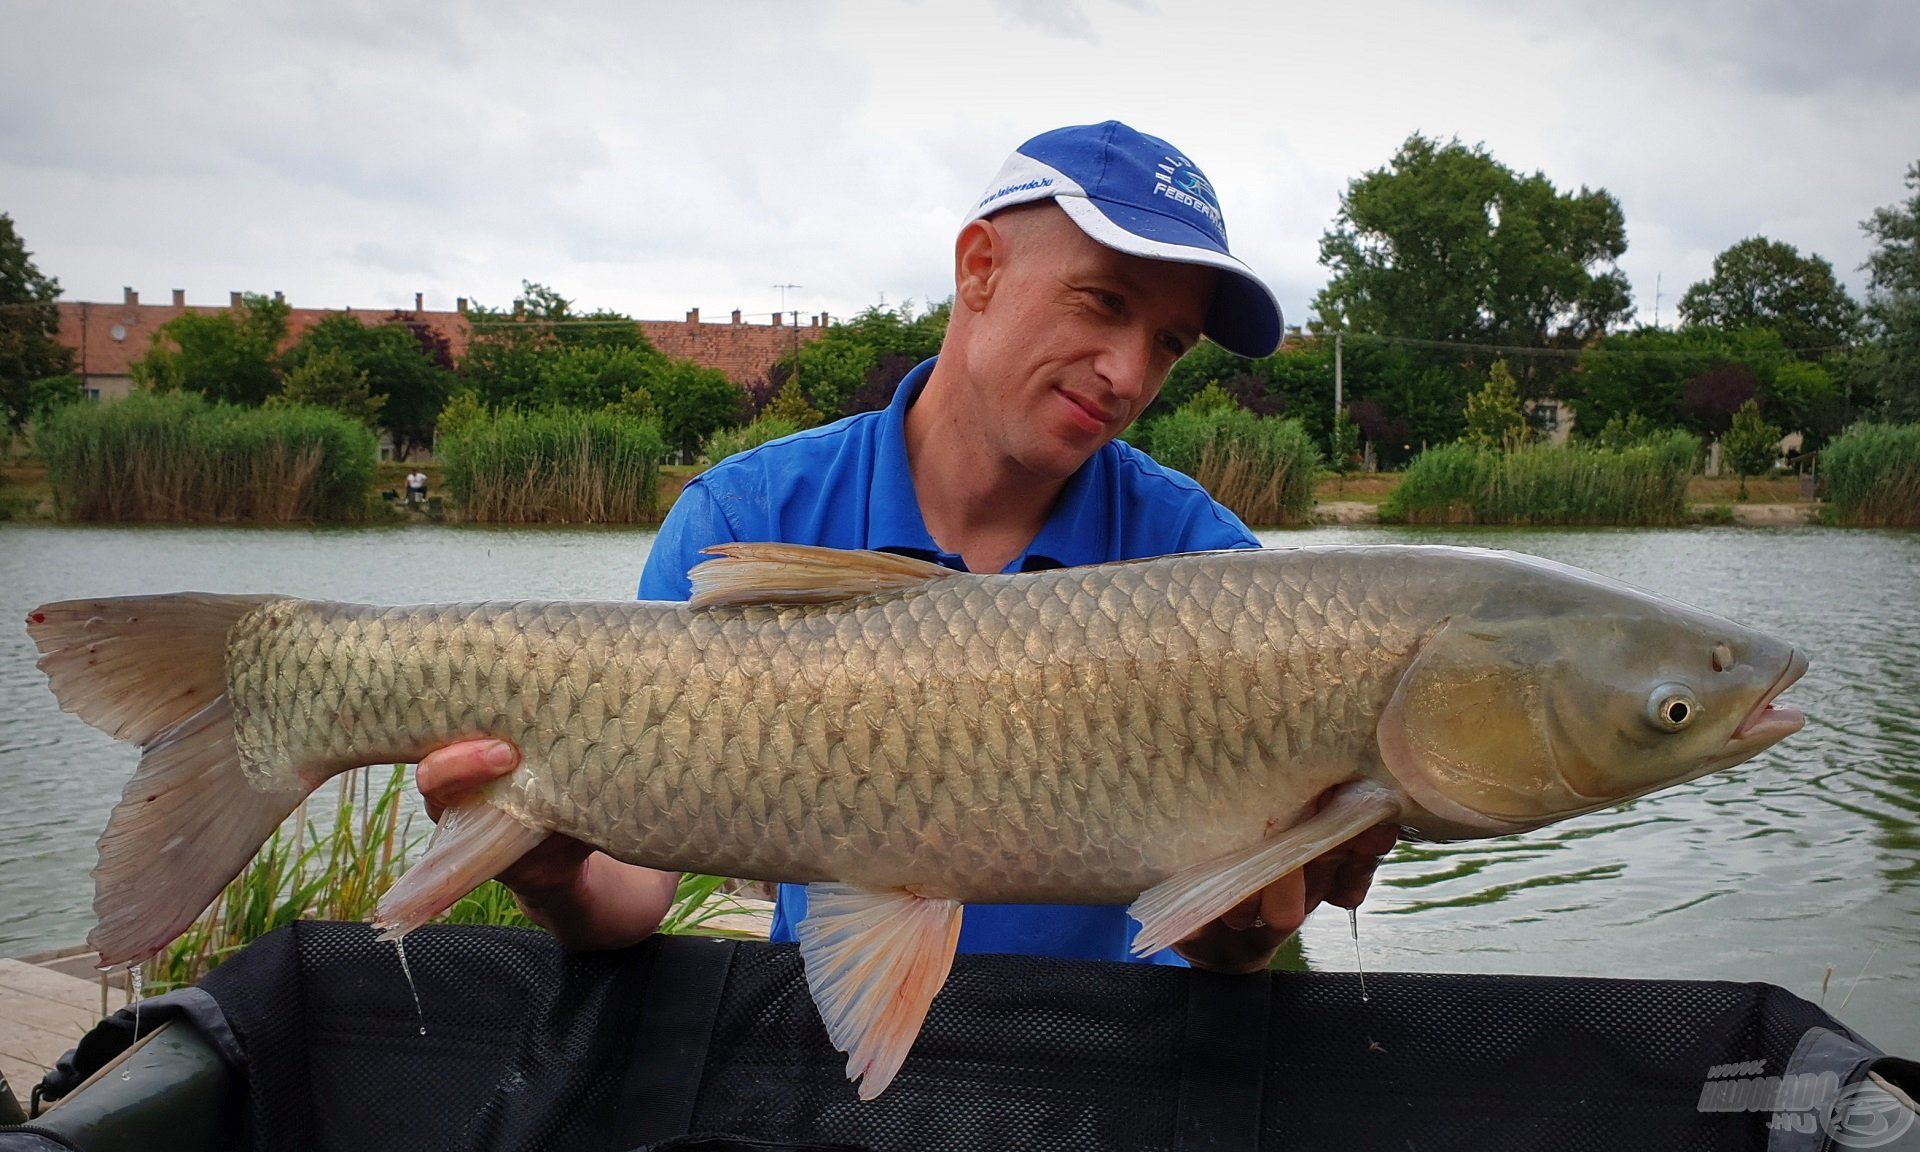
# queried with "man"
point(1097, 257)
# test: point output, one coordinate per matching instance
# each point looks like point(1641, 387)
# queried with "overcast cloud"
point(653, 158)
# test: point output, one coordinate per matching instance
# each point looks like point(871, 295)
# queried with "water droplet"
point(1353, 923)
point(136, 980)
point(400, 948)
point(126, 1075)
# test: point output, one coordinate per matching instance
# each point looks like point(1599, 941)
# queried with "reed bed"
point(333, 861)
point(733, 441)
point(1873, 476)
point(555, 467)
point(177, 457)
point(1642, 484)
point(1261, 467)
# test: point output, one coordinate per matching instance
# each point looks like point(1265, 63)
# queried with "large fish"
point(1176, 732)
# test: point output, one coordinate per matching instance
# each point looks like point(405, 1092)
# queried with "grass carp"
point(1176, 732)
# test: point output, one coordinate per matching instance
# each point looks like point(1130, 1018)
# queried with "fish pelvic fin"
point(152, 670)
point(743, 574)
point(874, 961)
point(472, 842)
point(1182, 904)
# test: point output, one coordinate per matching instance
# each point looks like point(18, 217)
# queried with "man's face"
point(1072, 340)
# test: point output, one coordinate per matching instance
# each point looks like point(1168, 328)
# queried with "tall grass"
point(1645, 483)
point(177, 457)
point(1873, 475)
point(1262, 467)
point(555, 467)
point(337, 869)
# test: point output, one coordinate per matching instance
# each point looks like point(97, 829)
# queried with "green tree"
point(1762, 283)
point(856, 364)
point(594, 376)
point(329, 379)
point(1344, 443)
point(1445, 243)
point(396, 364)
point(1212, 398)
point(507, 348)
point(1493, 414)
point(1804, 398)
point(1750, 444)
point(694, 403)
point(1620, 434)
point(229, 355)
point(790, 407)
point(30, 347)
point(1888, 368)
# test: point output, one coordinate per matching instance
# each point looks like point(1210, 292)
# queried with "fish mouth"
point(1765, 724)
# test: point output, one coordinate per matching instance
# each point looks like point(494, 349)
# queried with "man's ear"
point(979, 254)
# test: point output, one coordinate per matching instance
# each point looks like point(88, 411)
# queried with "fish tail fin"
point(152, 670)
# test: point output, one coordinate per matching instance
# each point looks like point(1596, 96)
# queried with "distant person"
point(416, 487)
point(1097, 257)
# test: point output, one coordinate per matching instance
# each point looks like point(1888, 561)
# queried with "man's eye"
point(1111, 301)
point(1172, 344)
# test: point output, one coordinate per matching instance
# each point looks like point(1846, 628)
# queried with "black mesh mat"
point(527, 1048)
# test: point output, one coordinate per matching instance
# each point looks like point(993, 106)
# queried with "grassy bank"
point(335, 858)
point(1261, 467)
point(1543, 485)
point(1873, 475)
point(176, 457)
point(557, 467)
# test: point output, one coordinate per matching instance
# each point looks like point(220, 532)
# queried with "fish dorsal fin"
point(742, 574)
point(874, 961)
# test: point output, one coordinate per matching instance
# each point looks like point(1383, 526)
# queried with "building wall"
point(108, 338)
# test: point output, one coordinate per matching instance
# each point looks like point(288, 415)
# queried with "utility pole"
point(1339, 336)
point(1656, 299)
point(795, 355)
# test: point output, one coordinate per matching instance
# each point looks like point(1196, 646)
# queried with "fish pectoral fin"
point(470, 845)
point(1180, 905)
point(874, 961)
point(742, 574)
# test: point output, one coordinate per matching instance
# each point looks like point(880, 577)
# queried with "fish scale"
point(746, 718)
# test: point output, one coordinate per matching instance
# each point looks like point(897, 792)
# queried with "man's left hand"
point(1245, 938)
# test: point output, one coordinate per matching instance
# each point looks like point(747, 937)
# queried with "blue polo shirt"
point(847, 485)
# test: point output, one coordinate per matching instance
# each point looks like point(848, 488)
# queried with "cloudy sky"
point(652, 158)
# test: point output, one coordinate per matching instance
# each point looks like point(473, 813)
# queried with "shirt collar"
point(1074, 533)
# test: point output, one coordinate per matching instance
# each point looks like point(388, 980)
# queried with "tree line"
point(1441, 263)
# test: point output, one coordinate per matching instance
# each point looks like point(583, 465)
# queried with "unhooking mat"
point(527, 1047)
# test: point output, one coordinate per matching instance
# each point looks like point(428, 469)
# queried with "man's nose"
point(1129, 361)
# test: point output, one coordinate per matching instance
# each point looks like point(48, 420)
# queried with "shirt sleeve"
point(694, 522)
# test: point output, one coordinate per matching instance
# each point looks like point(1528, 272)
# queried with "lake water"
point(1803, 863)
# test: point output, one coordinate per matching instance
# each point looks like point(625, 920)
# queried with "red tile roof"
point(108, 338)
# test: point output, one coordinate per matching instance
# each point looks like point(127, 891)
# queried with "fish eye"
point(1722, 657)
point(1671, 708)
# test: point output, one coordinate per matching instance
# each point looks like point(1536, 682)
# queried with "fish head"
point(1563, 693)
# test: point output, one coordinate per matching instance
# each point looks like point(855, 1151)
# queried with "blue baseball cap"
point(1140, 195)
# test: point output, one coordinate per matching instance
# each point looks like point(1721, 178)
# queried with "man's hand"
point(588, 900)
point(1246, 936)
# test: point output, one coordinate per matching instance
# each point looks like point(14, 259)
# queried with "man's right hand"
point(588, 900)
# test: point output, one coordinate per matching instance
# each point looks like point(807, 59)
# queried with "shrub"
point(557, 467)
point(1261, 467)
point(1541, 484)
point(1873, 475)
point(180, 457)
point(733, 441)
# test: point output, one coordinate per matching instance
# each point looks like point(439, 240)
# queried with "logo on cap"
point(1183, 183)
